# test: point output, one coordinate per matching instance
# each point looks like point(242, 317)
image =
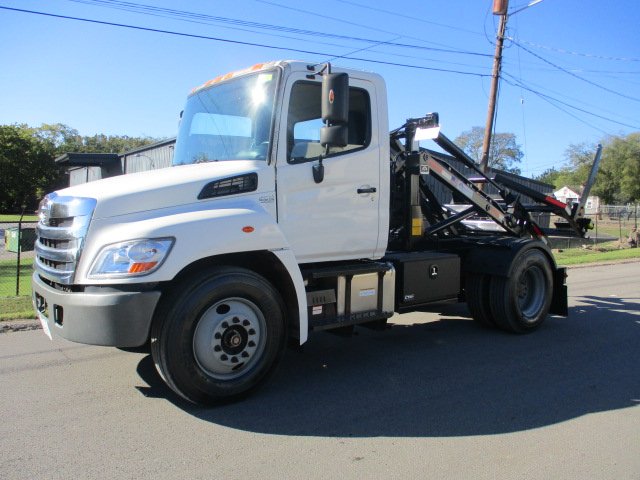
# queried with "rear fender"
point(498, 257)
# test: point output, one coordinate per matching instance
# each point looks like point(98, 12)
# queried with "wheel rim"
point(531, 293)
point(229, 338)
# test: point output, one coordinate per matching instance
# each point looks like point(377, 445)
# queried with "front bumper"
point(114, 318)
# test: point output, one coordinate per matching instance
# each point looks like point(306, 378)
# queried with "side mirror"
point(335, 109)
point(334, 136)
point(335, 98)
point(335, 115)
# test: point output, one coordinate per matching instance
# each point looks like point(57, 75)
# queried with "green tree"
point(607, 187)
point(66, 139)
point(621, 156)
point(62, 137)
point(580, 155)
point(504, 153)
point(27, 167)
point(27, 159)
point(101, 143)
point(549, 176)
point(579, 158)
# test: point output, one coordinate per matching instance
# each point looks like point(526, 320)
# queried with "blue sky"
point(107, 79)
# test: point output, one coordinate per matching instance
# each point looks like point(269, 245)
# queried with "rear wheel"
point(520, 302)
point(219, 335)
point(478, 300)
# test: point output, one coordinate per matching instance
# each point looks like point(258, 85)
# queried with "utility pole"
point(499, 8)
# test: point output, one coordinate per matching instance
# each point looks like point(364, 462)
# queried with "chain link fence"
point(16, 257)
point(618, 221)
point(611, 223)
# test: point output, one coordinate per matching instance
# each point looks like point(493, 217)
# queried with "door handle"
point(366, 190)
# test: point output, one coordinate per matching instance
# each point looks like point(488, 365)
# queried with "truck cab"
point(272, 116)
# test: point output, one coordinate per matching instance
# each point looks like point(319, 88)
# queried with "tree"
point(607, 186)
point(62, 137)
point(580, 155)
point(27, 167)
point(101, 143)
point(549, 176)
point(66, 139)
point(27, 159)
point(621, 156)
point(504, 153)
point(618, 178)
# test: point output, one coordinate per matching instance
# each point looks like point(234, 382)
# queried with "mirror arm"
point(318, 169)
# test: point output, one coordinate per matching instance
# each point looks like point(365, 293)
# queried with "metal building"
point(87, 167)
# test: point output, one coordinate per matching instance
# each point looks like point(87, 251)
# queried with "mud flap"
point(559, 300)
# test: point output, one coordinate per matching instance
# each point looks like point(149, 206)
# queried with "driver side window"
point(304, 122)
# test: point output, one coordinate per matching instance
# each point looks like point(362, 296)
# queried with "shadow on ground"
point(443, 378)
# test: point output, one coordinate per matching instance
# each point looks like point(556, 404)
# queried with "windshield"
point(229, 121)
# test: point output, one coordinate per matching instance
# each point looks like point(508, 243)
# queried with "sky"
point(571, 71)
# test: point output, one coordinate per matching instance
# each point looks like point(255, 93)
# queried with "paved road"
point(433, 397)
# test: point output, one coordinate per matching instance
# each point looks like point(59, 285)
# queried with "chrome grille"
point(61, 229)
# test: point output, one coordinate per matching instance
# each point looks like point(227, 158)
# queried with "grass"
point(7, 218)
point(613, 227)
point(12, 307)
point(605, 252)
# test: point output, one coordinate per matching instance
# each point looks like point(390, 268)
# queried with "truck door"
point(337, 218)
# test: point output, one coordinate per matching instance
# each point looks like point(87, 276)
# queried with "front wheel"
point(520, 302)
point(219, 335)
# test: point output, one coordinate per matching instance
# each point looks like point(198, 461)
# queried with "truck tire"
point(219, 335)
point(478, 300)
point(520, 302)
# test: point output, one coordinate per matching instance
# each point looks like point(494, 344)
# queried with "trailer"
point(290, 209)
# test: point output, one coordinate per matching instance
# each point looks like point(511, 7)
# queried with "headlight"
point(130, 259)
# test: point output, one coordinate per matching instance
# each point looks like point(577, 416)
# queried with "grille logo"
point(44, 212)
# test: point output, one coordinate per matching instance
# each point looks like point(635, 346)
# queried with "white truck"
point(290, 208)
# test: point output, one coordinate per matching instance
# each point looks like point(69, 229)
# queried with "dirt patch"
point(7, 326)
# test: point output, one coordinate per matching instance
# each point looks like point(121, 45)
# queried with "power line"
point(348, 22)
point(355, 51)
point(239, 42)
point(587, 55)
point(573, 74)
point(567, 97)
point(208, 20)
point(421, 20)
point(186, 16)
point(518, 83)
point(581, 70)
